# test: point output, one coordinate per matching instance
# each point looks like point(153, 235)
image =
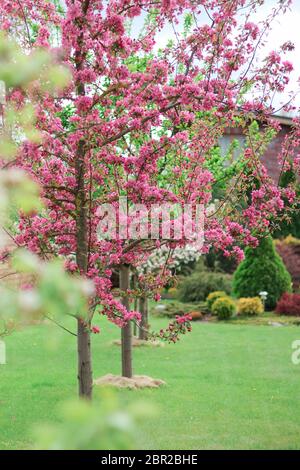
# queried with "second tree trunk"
point(126, 334)
point(143, 330)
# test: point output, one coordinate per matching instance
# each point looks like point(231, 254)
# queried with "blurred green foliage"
point(101, 425)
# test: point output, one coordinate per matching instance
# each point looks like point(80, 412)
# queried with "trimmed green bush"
point(214, 296)
point(262, 270)
point(223, 307)
point(196, 287)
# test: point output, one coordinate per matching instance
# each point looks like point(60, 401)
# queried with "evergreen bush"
point(262, 270)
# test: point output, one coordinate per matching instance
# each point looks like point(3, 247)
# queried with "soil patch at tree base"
point(136, 343)
point(136, 382)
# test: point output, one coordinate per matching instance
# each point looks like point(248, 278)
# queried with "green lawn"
point(229, 386)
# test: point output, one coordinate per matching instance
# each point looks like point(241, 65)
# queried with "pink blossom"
point(95, 329)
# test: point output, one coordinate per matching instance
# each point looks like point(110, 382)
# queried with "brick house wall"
point(269, 158)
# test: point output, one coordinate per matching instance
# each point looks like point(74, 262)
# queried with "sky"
point(284, 28)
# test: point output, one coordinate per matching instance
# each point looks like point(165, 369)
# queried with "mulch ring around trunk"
point(134, 383)
point(136, 343)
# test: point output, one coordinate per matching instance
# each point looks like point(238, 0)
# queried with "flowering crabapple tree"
point(140, 121)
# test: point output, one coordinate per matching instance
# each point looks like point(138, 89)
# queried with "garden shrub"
point(289, 304)
point(289, 250)
point(171, 309)
point(196, 287)
point(171, 293)
point(223, 307)
point(214, 296)
point(262, 270)
point(250, 306)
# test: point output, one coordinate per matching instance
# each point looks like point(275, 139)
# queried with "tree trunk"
point(85, 380)
point(85, 374)
point(143, 330)
point(135, 307)
point(134, 324)
point(126, 335)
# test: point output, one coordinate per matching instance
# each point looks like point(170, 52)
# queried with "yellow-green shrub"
point(172, 292)
point(223, 307)
point(214, 296)
point(250, 306)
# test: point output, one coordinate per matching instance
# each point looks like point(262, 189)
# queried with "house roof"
point(284, 119)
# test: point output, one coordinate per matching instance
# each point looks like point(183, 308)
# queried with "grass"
point(229, 386)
